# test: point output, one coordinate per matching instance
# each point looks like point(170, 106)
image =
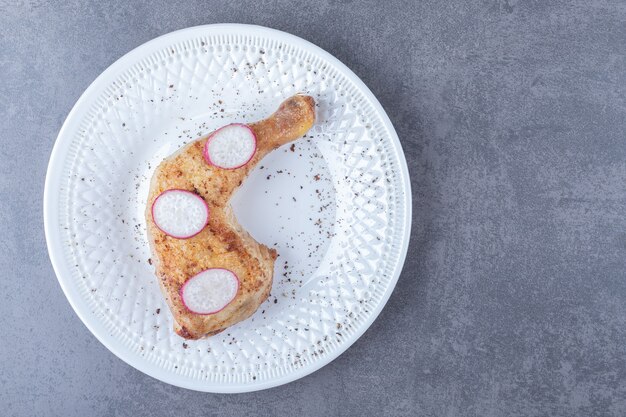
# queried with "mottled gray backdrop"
point(512, 115)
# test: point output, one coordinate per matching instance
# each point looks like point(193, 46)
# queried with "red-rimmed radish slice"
point(231, 146)
point(180, 213)
point(210, 291)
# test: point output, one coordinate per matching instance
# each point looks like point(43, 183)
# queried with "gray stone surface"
point(512, 115)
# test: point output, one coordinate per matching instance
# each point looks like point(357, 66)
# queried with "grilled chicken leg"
point(222, 243)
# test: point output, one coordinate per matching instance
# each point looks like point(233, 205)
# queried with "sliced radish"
point(231, 146)
point(180, 213)
point(210, 291)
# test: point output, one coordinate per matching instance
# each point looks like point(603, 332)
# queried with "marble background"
point(512, 115)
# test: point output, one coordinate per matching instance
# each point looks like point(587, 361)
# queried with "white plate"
point(337, 208)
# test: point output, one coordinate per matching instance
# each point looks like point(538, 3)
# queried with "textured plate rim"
point(51, 209)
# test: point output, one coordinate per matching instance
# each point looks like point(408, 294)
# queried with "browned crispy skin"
point(223, 243)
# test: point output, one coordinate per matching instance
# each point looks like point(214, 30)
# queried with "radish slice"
point(180, 213)
point(210, 291)
point(230, 147)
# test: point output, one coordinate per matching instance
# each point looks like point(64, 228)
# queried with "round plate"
point(336, 205)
